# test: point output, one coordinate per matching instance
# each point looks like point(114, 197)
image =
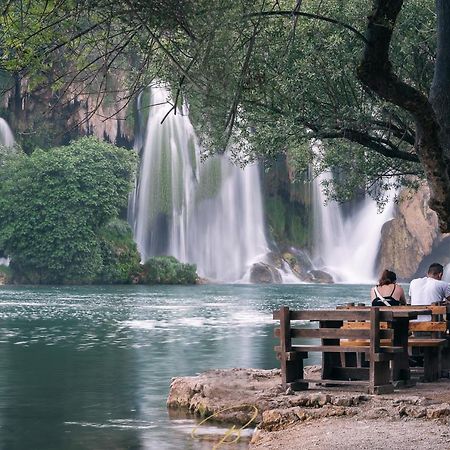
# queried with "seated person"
point(430, 289)
point(387, 292)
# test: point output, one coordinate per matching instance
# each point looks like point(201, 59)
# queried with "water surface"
point(90, 367)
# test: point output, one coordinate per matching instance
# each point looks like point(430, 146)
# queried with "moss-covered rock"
point(287, 207)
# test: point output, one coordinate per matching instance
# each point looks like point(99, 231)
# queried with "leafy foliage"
point(262, 78)
point(53, 205)
point(120, 258)
point(5, 274)
point(168, 270)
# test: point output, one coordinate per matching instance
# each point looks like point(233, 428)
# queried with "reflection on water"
point(90, 367)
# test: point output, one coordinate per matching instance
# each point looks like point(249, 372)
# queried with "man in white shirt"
point(429, 289)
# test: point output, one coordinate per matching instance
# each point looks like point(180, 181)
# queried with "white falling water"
point(6, 136)
point(6, 140)
point(347, 247)
point(209, 213)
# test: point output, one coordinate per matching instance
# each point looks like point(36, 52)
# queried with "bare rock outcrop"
point(411, 236)
point(264, 273)
point(228, 393)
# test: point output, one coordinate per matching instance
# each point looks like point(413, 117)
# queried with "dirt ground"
point(363, 432)
point(331, 433)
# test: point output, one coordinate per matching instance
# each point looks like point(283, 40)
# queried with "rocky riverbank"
point(416, 417)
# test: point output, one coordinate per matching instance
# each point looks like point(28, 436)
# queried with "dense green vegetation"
point(120, 258)
point(369, 80)
point(5, 274)
point(168, 270)
point(56, 209)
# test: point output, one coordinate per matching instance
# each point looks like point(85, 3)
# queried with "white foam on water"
point(117, 423)
point(141, 324)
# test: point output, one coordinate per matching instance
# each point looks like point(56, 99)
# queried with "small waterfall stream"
point(209, 213)
point(6, 135)
point(7, 140)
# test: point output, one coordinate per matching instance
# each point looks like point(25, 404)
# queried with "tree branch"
point(295, 13)
point(378, 145)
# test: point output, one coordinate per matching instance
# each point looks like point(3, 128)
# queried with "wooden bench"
point(296, 325)
point(431, 345)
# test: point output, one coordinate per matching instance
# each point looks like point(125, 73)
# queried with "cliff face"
point(41, 117)
point(411, 236)
point(112, 120)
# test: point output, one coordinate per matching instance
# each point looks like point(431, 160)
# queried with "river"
point(90, 367)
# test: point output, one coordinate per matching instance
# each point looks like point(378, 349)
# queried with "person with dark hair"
point(387, 292)
point(429, 289)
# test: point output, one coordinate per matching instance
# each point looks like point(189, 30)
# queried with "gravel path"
point(355, 434)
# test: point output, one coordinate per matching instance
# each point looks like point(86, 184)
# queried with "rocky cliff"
point(412, 238)
point(42, 117)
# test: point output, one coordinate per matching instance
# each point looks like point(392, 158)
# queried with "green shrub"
point(168, 270)
point(121, 260)
point(5, 274)
point(53, 205)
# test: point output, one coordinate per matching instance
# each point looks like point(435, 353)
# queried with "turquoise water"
point(90, 367)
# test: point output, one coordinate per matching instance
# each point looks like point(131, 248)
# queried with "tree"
point(54, 205)
point(274, 75)
point(431, 113)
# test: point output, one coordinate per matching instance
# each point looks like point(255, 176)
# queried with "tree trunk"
point(440, 88)
point(375, 72)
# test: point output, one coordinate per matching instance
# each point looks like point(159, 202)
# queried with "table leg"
point(400, 364)
point(330, 361)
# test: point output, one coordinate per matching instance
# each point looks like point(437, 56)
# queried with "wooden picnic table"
point(429, 339)
point(399, 323)
point(383, 324)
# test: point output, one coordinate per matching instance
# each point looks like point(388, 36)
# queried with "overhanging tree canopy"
point(274, 73)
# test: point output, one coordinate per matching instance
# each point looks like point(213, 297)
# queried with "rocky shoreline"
point(320, 415)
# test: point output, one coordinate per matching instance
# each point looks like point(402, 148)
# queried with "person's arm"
point(409, 292)
point(402, 296)
point(447, 294)
point(372, 294)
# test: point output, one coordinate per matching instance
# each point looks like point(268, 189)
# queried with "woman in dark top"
point(387, 292)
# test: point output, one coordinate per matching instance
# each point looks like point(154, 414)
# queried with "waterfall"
point(347, 246)
point(6, 136)
point(208, 213)
point(6, 140)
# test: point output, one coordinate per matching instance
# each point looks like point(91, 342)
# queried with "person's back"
point(426, 290)
point(387, 292)
point(429, 289)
